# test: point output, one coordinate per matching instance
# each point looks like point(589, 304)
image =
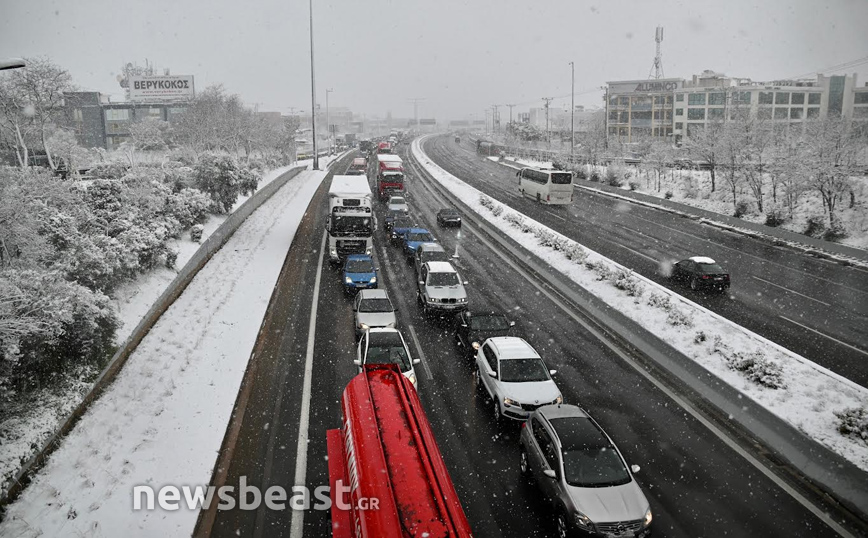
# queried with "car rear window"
point(523, 370)
point(710, 268)
point(375, 305)
point(481, 322)
point(562, 178)
point(424, 237)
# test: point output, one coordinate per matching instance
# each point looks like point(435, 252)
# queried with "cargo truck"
point(350, 222)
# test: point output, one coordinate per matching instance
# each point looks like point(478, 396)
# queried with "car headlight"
point(348, 280)
point(559, 400)
point(412, 378)
point(475, 345)
point(648, 517)
point(364, 326)
point(373, 280)
point(510, 401)
point(368, 251)
point(333, 252)
point(390, 325)
point(583, 521)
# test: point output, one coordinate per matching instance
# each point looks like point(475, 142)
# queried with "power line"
point(839, 67)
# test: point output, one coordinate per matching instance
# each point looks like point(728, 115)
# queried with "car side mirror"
point(421, 282)
point(463, 324)
point(466, 282)
point(493, 374)
point(417, 361)
point(512, 324)
point(549, 473)
point(553, 372)
point(635, 468)
point(357, 362)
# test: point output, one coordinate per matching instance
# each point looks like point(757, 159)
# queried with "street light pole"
point(313, 93)
point(328, 121)
point(573, 110)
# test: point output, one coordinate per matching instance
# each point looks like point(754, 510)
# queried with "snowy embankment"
point(791, 387)
point(26, 432)
point(163, 419)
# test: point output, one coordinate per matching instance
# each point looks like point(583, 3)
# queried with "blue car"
point(399, 227)
point(359, 273)
point(415, 237)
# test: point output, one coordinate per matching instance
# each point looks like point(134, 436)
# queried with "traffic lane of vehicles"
point(632, 239)
point(686, 472)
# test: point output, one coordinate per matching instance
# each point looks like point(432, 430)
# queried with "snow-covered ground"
point(163, 419)
point(26, 430)
point(809, 395)
point(693, 188)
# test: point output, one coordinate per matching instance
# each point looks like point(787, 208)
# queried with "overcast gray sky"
point(460, 56)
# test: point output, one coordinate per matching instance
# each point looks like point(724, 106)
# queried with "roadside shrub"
point(108, 170)
point(171, 258)
point(678, 318)
point(188, 207)
point(223, 180)
point(613, 177)
point(668, 195)
point(775, 218)
point(853, 422)
point(497, 210)
point(595, 175)
point(581, 173)
point(574, 252)
point(659, 300)
point(700, 337)
point(741, 209)
point(634, 185)
point(626, 280)
point(816, 226)
point(601, 268)
point(757, 368)
point(196, 232)
point(835, 233)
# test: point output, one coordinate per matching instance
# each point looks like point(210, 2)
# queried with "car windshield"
point(443, 279)
point(435, 256)
point(394, 177)
point(448, 213)
point(360, 266)
point(387, 348)
point(355, 225)
point(562, 178)
point(403, 222)
point(421, 237)
point(710, 268)
point(523, 370)
point(482, 322)
point(396, 200)
point(594, 467)
point(380, 304)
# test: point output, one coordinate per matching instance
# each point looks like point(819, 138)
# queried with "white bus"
point(546, 186)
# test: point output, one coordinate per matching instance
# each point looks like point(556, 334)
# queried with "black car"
point(476, 327)
point(701, 272)
point(448, 217)
point(389, 220)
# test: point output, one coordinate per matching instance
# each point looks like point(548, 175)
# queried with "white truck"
point(351, 217)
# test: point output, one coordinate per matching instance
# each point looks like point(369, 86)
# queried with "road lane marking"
point(789, 290)
point(854, 348)
point(640, 254)
point(683, 403)
point(556, 216)
point(297, 524)
point(421, 353)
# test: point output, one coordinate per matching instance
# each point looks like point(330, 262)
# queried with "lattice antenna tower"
point(657, 67)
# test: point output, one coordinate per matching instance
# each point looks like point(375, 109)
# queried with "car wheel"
point(538, 199)
point(694, 284)
point(497, 414)
point(563, 526)
point(523, 462)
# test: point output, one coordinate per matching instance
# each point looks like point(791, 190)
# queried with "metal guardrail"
point(205, 252)
point(837, 476)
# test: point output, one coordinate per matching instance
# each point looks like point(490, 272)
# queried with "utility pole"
point(572, 110)
point(548, 100)
point(328, 120)
point(313, 93)
point(415, 101)
point(495, 119)
point(510, 112)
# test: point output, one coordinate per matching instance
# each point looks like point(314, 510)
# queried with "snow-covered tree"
point(222, 178)
point(151, 134)
point(66, 148)
point(830, 155)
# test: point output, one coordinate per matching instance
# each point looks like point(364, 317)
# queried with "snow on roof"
point(513, 347)
point(441, 267)
point(702, 259)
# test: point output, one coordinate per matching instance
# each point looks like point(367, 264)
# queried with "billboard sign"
point(646, 86)
point(161, 88)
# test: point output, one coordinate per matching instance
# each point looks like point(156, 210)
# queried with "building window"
point(741, 98)
point(798, 99)
point(679, 126)
point(715, 113)
point(613, 116)
point(679, 111)
point(717, 98)
point(766, 98)
point(76, 115)
point(679, 97)
point(781, 113)
point(764, 113)
point(782, 98)
point(613, 131)
point(813, 112)
point(694, 129)
point(795, 113)
point(814, 98)
point(117, 114)
point(667, 115)
point(696, 99)
point(623, 100)
point(860, 98)
point(696, 113)
point(155, 113)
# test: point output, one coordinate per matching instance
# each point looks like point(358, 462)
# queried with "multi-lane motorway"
point(814, 307)
point(697, 483)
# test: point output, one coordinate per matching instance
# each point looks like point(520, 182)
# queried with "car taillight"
point(705, 277)
point(548, 197)
point(726, 277)
point(524, 424)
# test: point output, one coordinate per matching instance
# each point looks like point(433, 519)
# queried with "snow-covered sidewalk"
point(163, 419)
point(807, 396)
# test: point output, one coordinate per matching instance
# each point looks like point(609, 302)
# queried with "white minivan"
point(553, 187)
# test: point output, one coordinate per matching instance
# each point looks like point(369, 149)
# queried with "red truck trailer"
point(390, 175)
point(386, 457)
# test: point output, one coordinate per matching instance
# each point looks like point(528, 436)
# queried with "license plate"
point(718, 278)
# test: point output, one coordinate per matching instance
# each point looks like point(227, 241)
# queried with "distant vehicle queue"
point(508, 372)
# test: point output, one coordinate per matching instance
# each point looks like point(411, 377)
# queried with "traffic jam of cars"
point(562, 449)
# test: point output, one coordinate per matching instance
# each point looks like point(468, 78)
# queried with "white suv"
point(441, 288)
point(515, 377)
